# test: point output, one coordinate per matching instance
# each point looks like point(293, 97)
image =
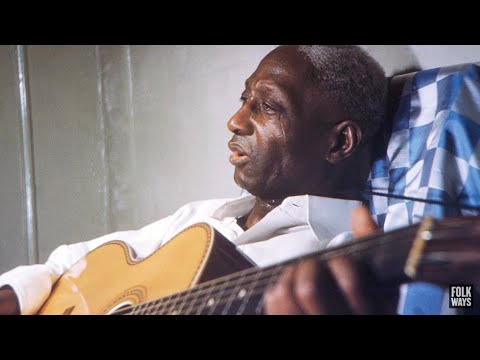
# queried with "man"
point(301, 146)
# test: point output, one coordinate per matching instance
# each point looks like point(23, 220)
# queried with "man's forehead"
point(285, 59)
point(283, 65)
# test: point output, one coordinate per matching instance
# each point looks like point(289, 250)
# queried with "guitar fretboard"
point(242, 292)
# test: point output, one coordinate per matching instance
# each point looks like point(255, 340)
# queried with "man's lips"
point(239, 155)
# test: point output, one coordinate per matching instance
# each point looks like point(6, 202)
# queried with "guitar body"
point(107, 278)
point(188, 274)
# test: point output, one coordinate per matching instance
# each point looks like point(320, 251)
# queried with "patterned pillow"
point(434, 149)
point(433, 153)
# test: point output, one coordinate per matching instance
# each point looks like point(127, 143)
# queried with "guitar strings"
point(249, 275)
point(220, 288)
point(228, 295)
point(200, 290)
point(217, 287)
point(217, 291)
point(256, 286)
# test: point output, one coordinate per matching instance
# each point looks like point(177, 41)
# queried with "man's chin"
point(245, 183)
point(257, 189)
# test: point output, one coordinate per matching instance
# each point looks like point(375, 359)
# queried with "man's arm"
point(24, 289)
point(32, 284)
point(29, 286)
point(8, 302)
point(338, 287)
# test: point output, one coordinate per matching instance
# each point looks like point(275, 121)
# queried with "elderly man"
point(301, 147)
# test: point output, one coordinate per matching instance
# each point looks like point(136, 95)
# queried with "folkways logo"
point(461, 296)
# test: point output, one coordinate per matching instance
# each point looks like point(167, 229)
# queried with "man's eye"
point(266, 107)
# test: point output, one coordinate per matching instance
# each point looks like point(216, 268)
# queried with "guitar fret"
point(271, 280)
point(156, 307)
point(209, 292)
point(195, 301)
point(238, 294)
point(237, 301)
point(191, 303)
point(171, 307)
point(259, 308)
point(232, 297)
point(158, 304)
point(150, 308)
point(248, 295)
point(144, 309)
point(138, 309)
point(164, 307)
point(185, 296)
point(214, 303)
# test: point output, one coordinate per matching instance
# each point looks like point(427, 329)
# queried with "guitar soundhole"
point(120, 307)
point(130, 297)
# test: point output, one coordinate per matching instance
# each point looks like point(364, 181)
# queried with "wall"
point(398, 58)
point(119, 136)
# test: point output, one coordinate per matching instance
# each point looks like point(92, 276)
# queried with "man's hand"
point(339, 286)
point(8, 302)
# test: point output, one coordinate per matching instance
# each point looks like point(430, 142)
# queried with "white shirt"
point(300, 225)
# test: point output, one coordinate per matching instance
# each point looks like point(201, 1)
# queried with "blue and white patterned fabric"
point(434, 154)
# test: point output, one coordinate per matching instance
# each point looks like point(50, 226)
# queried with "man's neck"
point(260, 209)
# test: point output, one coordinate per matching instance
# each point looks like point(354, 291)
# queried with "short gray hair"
point(353, 80)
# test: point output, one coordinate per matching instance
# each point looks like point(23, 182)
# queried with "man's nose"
point(240, 123)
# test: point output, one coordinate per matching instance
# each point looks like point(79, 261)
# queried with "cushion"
point(433, 150)
point(432, 153)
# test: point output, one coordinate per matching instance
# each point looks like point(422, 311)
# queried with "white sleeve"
point(33, 284)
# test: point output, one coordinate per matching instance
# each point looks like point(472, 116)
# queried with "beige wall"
point(124, 135)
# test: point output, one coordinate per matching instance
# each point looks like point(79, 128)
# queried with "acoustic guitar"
point(200, 272)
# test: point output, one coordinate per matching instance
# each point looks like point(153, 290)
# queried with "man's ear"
point(345, 139)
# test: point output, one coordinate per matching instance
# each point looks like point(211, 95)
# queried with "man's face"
point(278, 137)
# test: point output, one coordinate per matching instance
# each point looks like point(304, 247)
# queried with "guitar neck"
point(439, 252)
point(241, 292)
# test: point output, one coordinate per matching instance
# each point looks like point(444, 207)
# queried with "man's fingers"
point(338, 287)
point(362, 222)
point(306, 287)
point(317, 290)
point(352, 281)
point(279, 299)
point(385, 297)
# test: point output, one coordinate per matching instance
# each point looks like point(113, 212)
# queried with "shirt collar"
point(325, 215)
point(235, 208)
